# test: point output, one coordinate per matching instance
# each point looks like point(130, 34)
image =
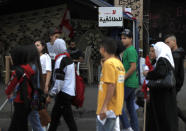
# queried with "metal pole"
point(144, 115)
point(135, 30)
point(147, 33)
point(134, 34)
point(147, 37)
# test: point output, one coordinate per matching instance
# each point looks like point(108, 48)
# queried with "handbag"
point(44, 117)
point(168, 81)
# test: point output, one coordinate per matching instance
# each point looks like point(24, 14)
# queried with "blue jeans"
point(129, 99)
point(35, 121)
point(108, 126)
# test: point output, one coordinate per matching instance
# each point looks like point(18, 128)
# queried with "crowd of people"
point(37, 70)
point(163, 70)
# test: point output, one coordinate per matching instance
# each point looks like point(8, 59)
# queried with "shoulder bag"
point(168, 81)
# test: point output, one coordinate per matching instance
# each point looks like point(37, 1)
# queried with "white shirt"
point(50, 48)
point(45, 63)
point(146, 68)
point(68, 85)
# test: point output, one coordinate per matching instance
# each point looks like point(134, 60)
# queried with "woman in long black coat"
point(163, 100)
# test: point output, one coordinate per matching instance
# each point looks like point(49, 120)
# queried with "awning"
point(101, 3)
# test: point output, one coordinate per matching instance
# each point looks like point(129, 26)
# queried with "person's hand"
point(46, 89)
point(145, 73)
point(103, 113)
point(102, 116)
point(48, 99)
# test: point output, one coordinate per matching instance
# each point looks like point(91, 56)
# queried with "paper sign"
point(110, 16)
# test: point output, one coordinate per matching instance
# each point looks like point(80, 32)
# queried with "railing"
point(3, 105)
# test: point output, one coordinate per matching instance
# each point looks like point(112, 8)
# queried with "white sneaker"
point(128, 129)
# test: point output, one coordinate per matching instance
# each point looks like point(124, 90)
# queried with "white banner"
point(110, 16)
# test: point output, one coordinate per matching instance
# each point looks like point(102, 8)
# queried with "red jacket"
point(13, 83)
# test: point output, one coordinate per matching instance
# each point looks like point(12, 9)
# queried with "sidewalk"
point(88, 109)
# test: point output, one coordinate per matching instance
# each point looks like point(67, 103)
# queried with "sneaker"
point(128, 129)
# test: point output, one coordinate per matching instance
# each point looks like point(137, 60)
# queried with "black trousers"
point(63, 107)
point(19, 120)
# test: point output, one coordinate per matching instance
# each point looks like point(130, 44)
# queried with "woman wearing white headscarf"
point(163, 100)
point(63, 89)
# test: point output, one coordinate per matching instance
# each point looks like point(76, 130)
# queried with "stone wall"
point(24, 28)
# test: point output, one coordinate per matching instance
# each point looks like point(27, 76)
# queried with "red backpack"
point(80, 86)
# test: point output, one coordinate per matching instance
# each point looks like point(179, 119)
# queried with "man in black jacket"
point(178, 55)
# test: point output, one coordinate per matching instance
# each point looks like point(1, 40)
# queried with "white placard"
point(128, 10)
point(110, 16)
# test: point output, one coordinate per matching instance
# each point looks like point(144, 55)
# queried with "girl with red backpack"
point(18, 91)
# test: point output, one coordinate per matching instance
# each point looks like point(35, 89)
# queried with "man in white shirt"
point(53, 34)
point(63, 89)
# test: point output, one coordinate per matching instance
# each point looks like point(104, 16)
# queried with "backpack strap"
point(23, 89)
point(19, 72)
point(65, 62)
point(60, 74)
